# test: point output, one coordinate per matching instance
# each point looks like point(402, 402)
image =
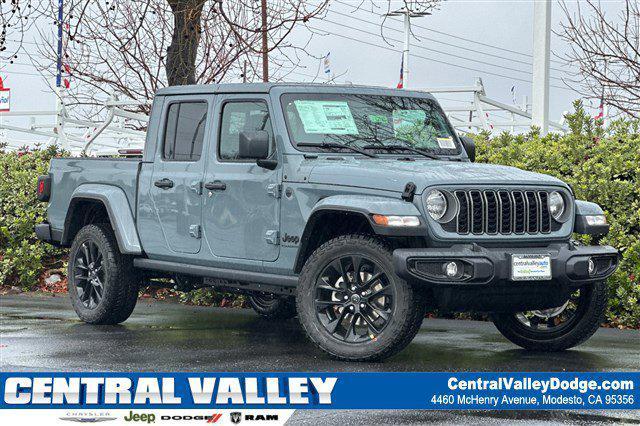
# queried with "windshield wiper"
point(337, 145)
point(399, 148)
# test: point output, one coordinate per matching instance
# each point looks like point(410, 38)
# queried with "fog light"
point(451, 269)
point(592, 267)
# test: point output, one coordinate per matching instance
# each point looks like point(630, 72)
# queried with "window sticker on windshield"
point(409, 125)
point(327, 117)
point(408, 121)
point(446, 143)
point(378, 119)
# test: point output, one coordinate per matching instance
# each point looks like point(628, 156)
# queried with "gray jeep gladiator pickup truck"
point(354, 208)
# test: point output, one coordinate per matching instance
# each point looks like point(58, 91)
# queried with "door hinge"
point(195, 231)
point(196, 187)
point(275, 190)
point(272, 236)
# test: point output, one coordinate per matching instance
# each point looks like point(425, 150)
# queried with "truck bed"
point(68, 174)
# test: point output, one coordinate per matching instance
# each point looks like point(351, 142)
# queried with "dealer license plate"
point(526, 267)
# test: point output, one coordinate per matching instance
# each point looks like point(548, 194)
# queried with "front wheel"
point(351, 303)
point(559, 328)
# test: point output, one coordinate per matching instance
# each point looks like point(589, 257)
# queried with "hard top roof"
point(282, 87)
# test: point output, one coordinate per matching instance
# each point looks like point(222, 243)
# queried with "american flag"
point(600, 111)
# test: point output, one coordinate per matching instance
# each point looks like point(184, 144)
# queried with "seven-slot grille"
point(502, 212)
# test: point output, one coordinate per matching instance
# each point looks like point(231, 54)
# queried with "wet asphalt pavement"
point(42, 333)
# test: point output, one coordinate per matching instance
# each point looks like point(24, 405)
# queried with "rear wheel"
point(102, 283)
point(557, 328)
point(270, 306)
point(352, 305)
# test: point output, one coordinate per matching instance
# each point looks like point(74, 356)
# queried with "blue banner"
point(436, 391)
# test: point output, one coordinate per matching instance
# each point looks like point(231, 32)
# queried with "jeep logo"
point(145, 418)
point(294, 239)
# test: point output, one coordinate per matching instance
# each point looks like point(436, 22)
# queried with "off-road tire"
point(589, 317)
point(273, 308)
point(409, 304)
point(121, 283)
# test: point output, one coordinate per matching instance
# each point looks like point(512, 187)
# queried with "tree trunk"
point(181, 54)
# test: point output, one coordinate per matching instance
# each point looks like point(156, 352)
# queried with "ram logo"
point(236, 417)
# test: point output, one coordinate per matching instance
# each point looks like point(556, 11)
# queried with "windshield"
point(367, 121)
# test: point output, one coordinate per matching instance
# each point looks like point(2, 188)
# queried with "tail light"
point(44, 188)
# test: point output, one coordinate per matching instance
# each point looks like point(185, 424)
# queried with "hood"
point(392, 175)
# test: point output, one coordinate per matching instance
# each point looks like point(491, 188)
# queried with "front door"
point(178, 170)
point(242, 206)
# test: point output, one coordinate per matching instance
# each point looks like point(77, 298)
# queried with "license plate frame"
point(531, 267)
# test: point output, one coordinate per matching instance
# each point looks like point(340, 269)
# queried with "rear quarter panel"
point(68, 174)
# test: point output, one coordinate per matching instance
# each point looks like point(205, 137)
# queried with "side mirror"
point(254, 145)
point(469, 146)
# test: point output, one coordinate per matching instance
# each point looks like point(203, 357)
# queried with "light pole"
point(541, 48)
point(407, 14)
point(265, 41)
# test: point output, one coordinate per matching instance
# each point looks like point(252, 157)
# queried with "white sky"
point(504, 24)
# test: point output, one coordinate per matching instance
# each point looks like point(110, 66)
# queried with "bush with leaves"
point(23, 258)
point(211, 296)
point(602, 166)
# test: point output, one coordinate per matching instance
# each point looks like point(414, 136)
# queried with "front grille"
point(502, 212)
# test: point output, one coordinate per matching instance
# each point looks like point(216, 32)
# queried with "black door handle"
point(164, 183)
point(215, 186)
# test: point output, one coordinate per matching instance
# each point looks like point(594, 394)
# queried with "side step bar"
point(219, 273)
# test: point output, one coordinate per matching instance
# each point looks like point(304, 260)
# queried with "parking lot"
point(42, 333)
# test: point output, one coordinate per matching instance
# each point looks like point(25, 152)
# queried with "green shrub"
point(602, 166)
point(211, 296)
point(23, 258)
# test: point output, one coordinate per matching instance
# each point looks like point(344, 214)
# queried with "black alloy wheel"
point(354, 300)
point(89, 274)
point(553, 319)
point(272, 306)
point(352, 305)
point(102, 283)
point(264, 300)
point(559, 328)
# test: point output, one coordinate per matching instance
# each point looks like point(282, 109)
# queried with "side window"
point(242, 116)
point(184, 131)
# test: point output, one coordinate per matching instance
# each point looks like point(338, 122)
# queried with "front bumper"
point(484, 266)
point(486, 285)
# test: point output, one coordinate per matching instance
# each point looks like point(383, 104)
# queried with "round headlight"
point(556, 205)
point(436, 204)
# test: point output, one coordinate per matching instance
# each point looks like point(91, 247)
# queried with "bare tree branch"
point(606, 51)
point(132, 48)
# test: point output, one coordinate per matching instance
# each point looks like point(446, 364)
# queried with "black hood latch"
point(409, 192)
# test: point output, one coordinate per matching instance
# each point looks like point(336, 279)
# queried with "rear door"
point(242, 215)
point(178, 170)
